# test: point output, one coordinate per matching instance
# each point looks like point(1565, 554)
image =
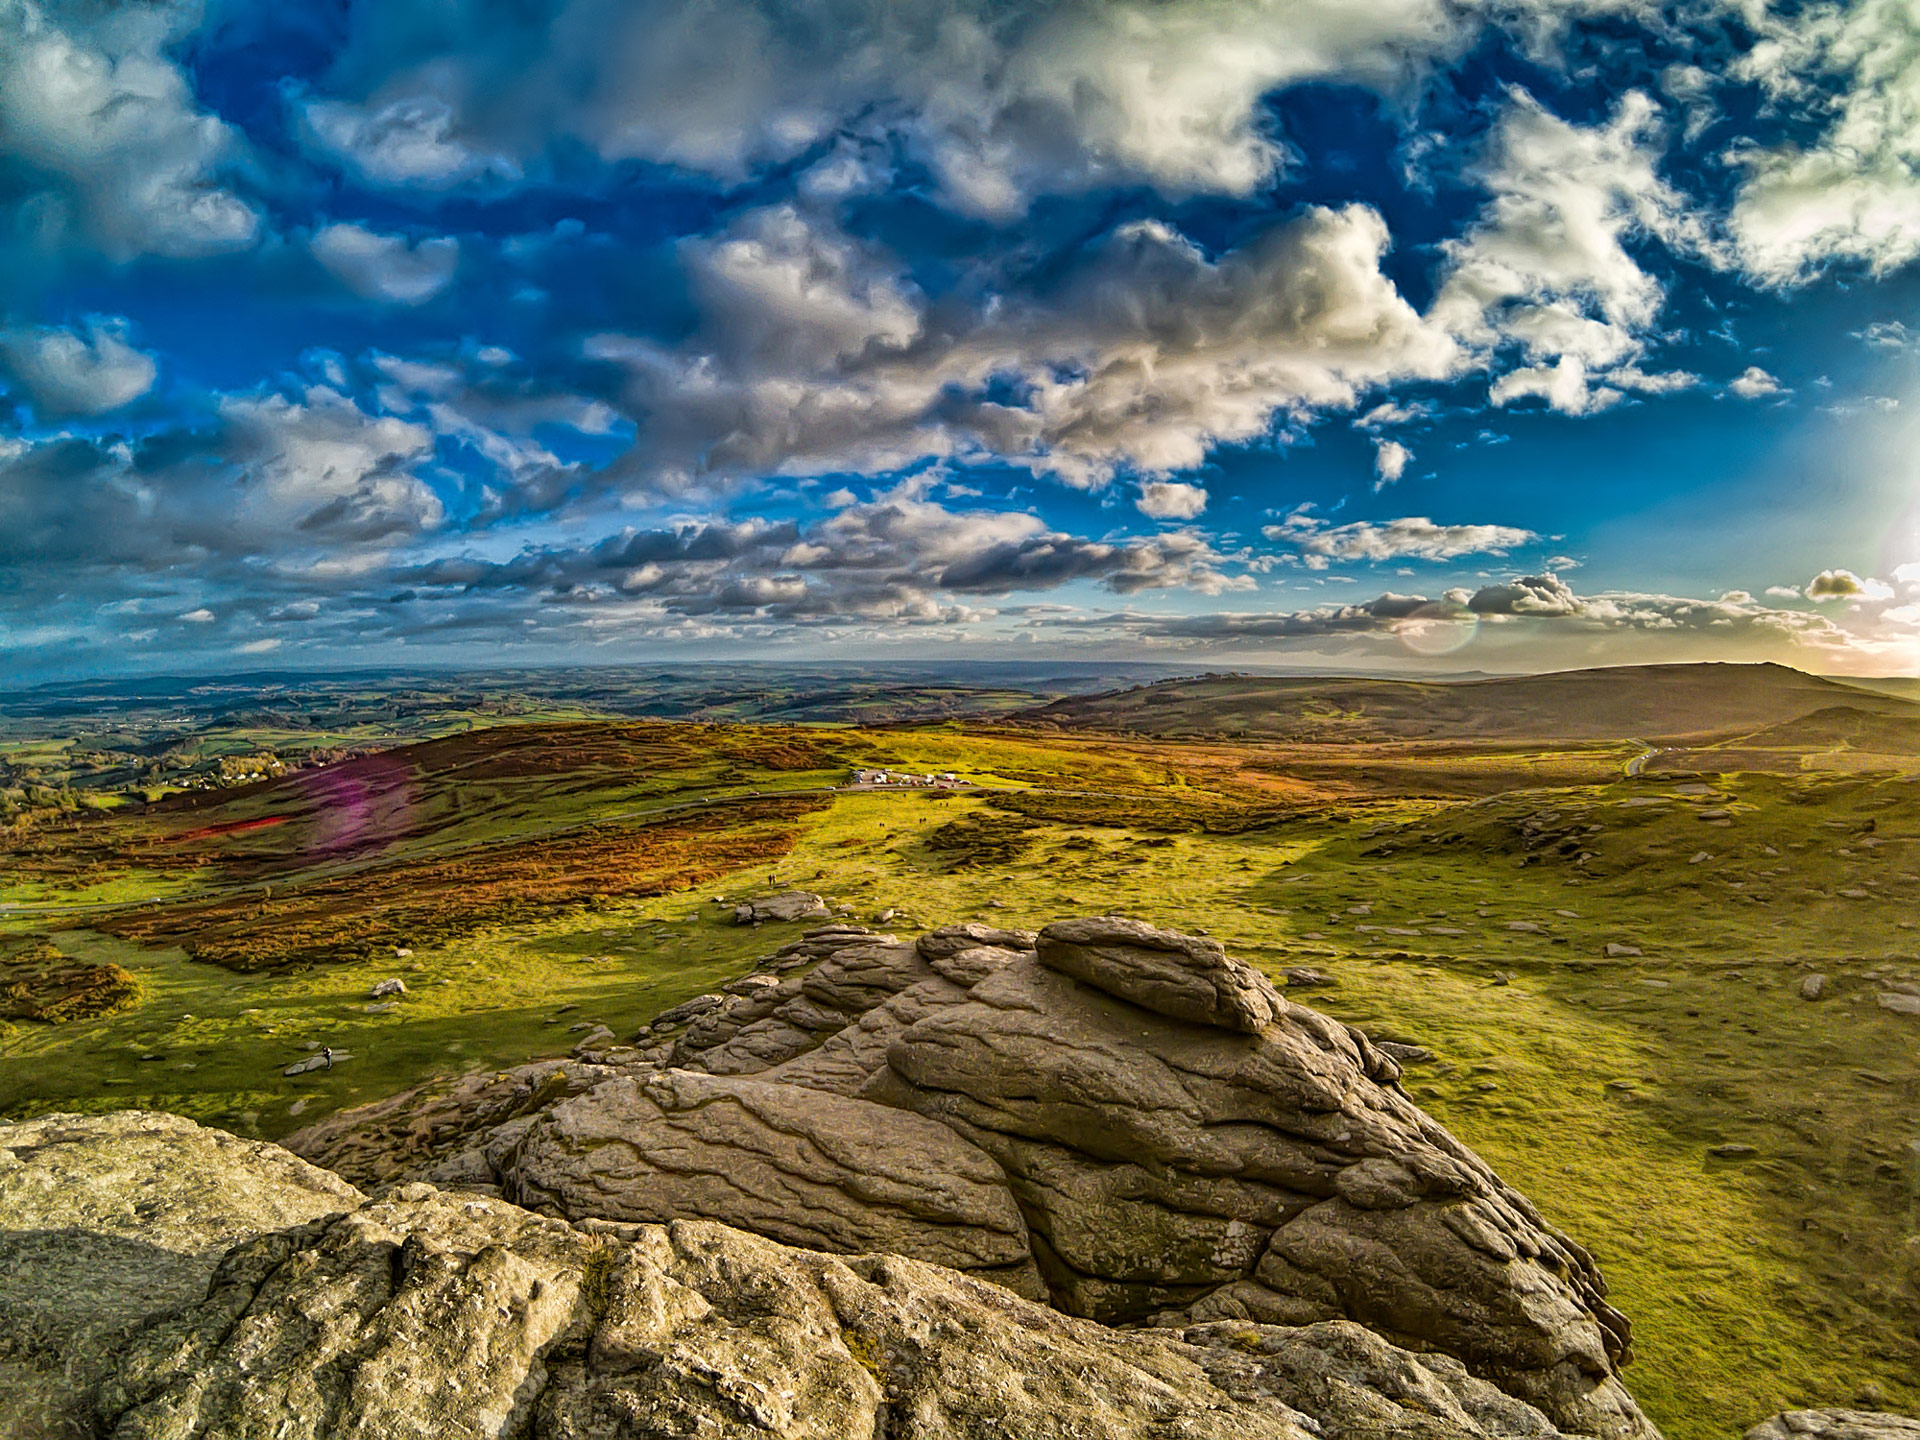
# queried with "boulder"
point(788, 905)
point(427, 1314)
point(384, 988)
point(1187, 977)
point(1812, 987)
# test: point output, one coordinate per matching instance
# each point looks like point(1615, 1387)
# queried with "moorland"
point(1656, 926)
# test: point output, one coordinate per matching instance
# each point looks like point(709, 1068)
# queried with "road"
point(1638, 764)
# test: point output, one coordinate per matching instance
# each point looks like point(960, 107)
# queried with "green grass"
point(222, 1039)
point(1598, 1085)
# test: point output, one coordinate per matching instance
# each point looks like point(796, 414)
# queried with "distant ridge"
point(1650, 702)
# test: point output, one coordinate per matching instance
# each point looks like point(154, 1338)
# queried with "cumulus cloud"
point(1411, 538)
point(1753, 383)
point(386, 267)
point(88, 370)
point(1390, 460)
point(101, 136)
point(817, 354)
point(320, 467)
point(1546, 267)
point(1171, 500)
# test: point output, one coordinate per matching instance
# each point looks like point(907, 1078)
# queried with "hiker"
point(326, 1053)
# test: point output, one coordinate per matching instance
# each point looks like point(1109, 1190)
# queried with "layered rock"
point(429, 1314)
point(1180, 1142)
point(797, 1165)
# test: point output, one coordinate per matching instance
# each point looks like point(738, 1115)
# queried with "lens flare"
point(361, 805)
point(1437, 629)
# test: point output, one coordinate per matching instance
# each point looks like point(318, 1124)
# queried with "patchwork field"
point(1609, 942)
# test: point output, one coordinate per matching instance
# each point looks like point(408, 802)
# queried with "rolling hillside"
point(1650, 702)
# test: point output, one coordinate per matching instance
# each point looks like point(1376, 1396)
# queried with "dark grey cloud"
point(899, 555)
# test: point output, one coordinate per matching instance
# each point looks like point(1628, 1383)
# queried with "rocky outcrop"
point(433, 1314)
point(1835, 1425)
point(788, 905)
point(1128, 1117)
point(105, 1222)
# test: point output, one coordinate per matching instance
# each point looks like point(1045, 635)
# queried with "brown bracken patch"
point(430, 901)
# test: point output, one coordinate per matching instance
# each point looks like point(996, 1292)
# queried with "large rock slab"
point(106, 1220)
point(1187, 977)
point(802, 1166)
point(427, 1314)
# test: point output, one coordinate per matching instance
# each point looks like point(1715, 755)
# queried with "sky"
point(1423, 335)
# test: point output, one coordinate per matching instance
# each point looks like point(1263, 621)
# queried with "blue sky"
point(1421, 334)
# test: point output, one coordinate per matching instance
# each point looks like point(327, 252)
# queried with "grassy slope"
point(1598, 1086)
point(1651, 701)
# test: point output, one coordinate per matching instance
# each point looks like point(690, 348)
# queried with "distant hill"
point(1849, 725)
point(1649, 702)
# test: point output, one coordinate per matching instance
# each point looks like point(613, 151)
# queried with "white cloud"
point(1546, 266)
point(1171, 500)
point(122, 156)
point(1394, 412)
point(1390, 460)
point(1886, 335)
point(1784, 592)
point(1411, 538)
point(897, 558)
point(1753, 383)
point(386, 267)
point(73, 372)
point(1564, 386)
point(1534, 618)
point(201, 616)
point(1853, 194)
